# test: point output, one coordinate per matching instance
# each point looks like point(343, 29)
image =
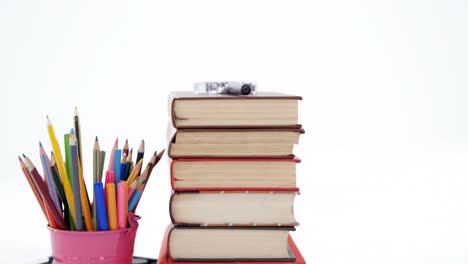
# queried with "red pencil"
point(56, 220)
point(33, 187)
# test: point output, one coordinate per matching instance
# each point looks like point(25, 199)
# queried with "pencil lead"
point(126, 141)
point(72, 131)
point(96, 139)
point(20, 158)
point(40, 144)
point(116, 141)
point(24, 156)
point(76, 111)
point(131, 150)
point(48, 120)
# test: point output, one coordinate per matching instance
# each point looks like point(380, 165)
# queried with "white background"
point(385, 160)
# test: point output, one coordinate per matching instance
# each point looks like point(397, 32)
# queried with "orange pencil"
point(111, 206)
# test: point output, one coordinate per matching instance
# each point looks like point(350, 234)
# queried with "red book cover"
point(173, 178)
point(164, 257)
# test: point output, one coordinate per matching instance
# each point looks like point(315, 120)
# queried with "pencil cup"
point(103, 247)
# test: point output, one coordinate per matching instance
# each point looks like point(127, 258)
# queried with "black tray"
point(136, 260)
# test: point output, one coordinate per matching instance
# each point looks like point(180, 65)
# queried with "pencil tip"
point(72, 131)
point(116, 141)
point(24, 156)
point(19, 158)
point(76, 111)
point(40, 144)
point(126, 141)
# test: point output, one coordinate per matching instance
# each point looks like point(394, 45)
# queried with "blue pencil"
point(101, 209)
point(117, 158)
point(123, 171)
point(134, 200)
point(76, 184)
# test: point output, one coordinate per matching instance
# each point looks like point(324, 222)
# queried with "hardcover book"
point(293, 254)
point(229, 244)
point(263, 109)
point(234, 174)
point(260, 142)
point(232, 208)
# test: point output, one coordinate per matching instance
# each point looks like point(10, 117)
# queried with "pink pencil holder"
point(103, 247)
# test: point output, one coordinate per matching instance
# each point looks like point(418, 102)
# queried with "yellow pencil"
point(85, 201)
point(134, 172)
point(61, 167)
point(111, 206)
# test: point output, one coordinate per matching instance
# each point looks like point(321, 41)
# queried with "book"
point(267, 109)
point(232, 208)
point(229, 243)
point(234, 174)
point(260, 142)
point(165, 258)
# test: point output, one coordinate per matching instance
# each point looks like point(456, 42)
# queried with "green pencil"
point(68, 165)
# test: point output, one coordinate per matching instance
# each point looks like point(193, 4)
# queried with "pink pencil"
point(111, 160)
point(122, 204)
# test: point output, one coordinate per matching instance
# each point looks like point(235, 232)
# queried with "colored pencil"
point(102, 158)
point(122, 204)
point(76, 125)
point(123, 168)
point(132, 204)
point(85, 201)
point(101, 207)
point(134, 174)
point(140, 154)
point(55, 218)
point(112, 160)
point(117, 158)
point(61, 167)
point(76, 184)
point(33, 187)
point(111, 169)
point(61, 192)
point(125, 148)
point(129, 165)
point(49, 179)
point(66, 213)
point(145, 177)
point(132, 187)
point(96, 164)
point(111, 206)
point(66, 143)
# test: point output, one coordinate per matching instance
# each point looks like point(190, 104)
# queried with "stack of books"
point(233, 175)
